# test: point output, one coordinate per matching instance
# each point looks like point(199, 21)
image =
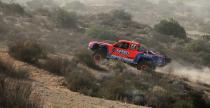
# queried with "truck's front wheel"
point(98, 56)
point(146, 66)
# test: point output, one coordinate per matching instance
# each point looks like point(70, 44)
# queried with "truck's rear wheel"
point(146, 66)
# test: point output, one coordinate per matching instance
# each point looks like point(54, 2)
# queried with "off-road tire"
point(98, 56)
point(146, 66)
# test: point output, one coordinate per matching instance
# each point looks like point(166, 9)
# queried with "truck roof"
point(133, 42)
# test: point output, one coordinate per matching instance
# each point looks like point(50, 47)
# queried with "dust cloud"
point(201, 75)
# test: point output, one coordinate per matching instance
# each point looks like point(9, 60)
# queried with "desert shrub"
point(159, 97)
point(183, 104)
point(12, 8)
point(114, 88)
point(198, 99)
point(170, 27)
point(121, 15)
point(28, 51)
point(102, 33)
point(47, 4)
point(205, 58)
point(55, 65)
point(16, 94)
point(201, 49)
point(198, 46)
point(84, 56)
point(75, 5)
point(116, 18)
point(65, 19)
point(42, 11)
point(122, 87)
point(8, 69)
point(205, 27)
point(148, 89)
point(117, 66)
point(3, 27)
point(82, 81)
point(105, 19)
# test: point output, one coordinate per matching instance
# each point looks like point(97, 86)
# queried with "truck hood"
point(158, 58)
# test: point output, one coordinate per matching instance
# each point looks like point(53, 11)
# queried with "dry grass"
point(16, 94)
point(8, 68)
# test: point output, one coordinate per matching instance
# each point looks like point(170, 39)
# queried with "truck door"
point(120, 50)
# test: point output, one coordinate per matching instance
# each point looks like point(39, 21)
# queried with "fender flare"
point(141, 57)
point(101, 48)
point(95, 46)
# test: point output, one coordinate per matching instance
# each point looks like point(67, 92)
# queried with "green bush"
point(28, 51)
point(65, 19)
point(101, 33)
point(171, 27)
point(16, 94)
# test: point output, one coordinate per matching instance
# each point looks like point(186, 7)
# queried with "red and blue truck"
point(129, 52)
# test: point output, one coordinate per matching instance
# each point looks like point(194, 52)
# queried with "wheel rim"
point(139, 67)
point(144, 67)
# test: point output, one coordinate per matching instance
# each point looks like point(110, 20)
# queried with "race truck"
point(129, 52)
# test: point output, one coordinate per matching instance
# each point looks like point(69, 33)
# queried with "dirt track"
point(57, 96)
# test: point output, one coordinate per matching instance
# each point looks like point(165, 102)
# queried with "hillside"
point(192, 14)
point(47, 49)
point(54, 94)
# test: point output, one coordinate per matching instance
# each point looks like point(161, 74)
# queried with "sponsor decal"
point(121, 59)
point(122, 52)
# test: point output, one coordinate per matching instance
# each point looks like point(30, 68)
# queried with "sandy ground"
point(55, 95)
